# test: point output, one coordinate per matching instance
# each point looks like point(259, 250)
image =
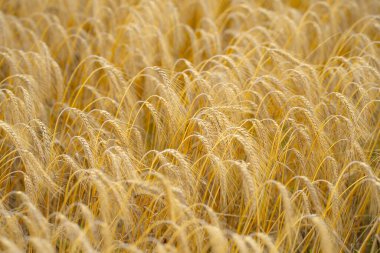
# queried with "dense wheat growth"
point(189, 126)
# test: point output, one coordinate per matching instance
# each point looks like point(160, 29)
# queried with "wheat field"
point(189, 126)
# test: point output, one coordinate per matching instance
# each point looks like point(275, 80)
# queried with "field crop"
point(190, 126)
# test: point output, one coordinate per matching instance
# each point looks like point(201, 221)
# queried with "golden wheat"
point(189, 126)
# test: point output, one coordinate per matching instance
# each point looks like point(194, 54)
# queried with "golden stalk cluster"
point(189, 126)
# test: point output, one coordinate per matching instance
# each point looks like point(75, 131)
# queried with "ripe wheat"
point(189, 126)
